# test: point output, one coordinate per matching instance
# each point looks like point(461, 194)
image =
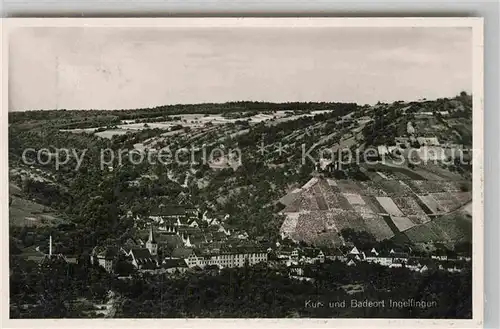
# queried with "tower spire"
point(151, 236)
point(151, 243)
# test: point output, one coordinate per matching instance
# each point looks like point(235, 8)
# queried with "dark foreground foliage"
point(246, 292)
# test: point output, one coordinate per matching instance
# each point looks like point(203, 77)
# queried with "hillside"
point(242, 188)
point(25, 212)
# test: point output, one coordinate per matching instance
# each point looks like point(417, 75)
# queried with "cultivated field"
point(192, 121)
point(443, 229)
point(322, 208)
point(24, 212)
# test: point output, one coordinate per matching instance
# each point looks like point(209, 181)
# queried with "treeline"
point(63, 119)
point(88, 118)
point(382, 130)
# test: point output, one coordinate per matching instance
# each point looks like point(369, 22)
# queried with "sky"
point(124, 68)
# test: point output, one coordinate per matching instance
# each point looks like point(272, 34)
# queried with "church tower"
point(151, 244)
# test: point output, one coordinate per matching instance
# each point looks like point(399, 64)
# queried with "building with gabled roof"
point(182, 252)
point(225, 256)
point(354, 251)
point(167, 225)
point(370, 255)
point(173, 265)
point(311, 255)
point(351, 262)
point(383, 258)
point(356, 257)
point(397, 254)
point(335, 254)
point(142, 259)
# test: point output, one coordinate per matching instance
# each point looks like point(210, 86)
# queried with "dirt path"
point(111, 306)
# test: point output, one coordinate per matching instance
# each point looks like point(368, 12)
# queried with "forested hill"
point(95, 118)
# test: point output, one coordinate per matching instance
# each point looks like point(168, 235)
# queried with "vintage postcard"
point(296, 172)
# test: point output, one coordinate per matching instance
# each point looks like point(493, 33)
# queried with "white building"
point(236, 258)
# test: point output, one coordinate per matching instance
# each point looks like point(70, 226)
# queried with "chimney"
point(50, 246)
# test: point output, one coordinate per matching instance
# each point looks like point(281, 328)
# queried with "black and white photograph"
point(244, 169)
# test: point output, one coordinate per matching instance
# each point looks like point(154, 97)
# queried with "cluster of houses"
point(180, 238)
point(445, 260)
point(430, 149)
point(145, 257)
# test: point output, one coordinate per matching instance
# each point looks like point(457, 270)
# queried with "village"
point(180, 239)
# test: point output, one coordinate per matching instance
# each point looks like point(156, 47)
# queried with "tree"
point(124, 266)
point(360, 239)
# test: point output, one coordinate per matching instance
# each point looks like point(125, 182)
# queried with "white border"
point(478, 175)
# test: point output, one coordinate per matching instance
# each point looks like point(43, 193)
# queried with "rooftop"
point(142, 255)
point(173, 263)
point(182, 252)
